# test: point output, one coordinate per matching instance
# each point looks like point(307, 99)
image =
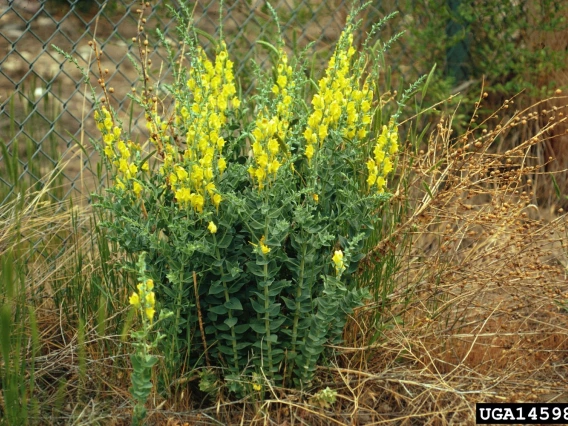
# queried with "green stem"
point(267, 320)
point(299, 289)
point(230, 313)
point(266, 310)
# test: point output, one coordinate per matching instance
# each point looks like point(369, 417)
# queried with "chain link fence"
point(46, 111)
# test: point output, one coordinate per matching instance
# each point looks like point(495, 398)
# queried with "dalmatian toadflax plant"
point(253, 212)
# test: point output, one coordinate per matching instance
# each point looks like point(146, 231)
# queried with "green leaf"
point(274, 309)
point(243, 345)
point(258, 308)
point(225, 241)
point(219, 309)
point(427, 188)
point(216, 288)
point(231, 321)
point(258, 327)
point(234, 303)
point(241, 328)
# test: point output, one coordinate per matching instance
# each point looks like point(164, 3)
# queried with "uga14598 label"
point(526, 413)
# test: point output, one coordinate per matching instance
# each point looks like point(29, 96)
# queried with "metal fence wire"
point(46, 111)
point(44, 106)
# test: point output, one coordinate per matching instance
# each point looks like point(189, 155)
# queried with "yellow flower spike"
point(212, 228)
point(135, 300)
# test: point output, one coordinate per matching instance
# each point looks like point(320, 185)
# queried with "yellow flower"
point(338, 261)
point(371, 179)
point(274, 166)
point(273, 146)
point(132, 169)
point(315, 197)
point(222, 165)
point(123, 166)
point(108, 123)
point(183, 195)
point(212, 228)
point(135, 300)
point(197, 202)
point(263, 247)
point(149, 284)
point(181, 173)
point(217, 199)
point(150, 313)
point(151, 299)
point(120, 185)
point(310, 151)
point(136, 188)
point(256, 386)
point(109, 152)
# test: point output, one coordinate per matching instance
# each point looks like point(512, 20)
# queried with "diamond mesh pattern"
point(43, 101)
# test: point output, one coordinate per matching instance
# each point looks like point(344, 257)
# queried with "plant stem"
point(200, 318)
point(299, 288)
point(267, 320)
point(266, 309)
point(230, 313)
